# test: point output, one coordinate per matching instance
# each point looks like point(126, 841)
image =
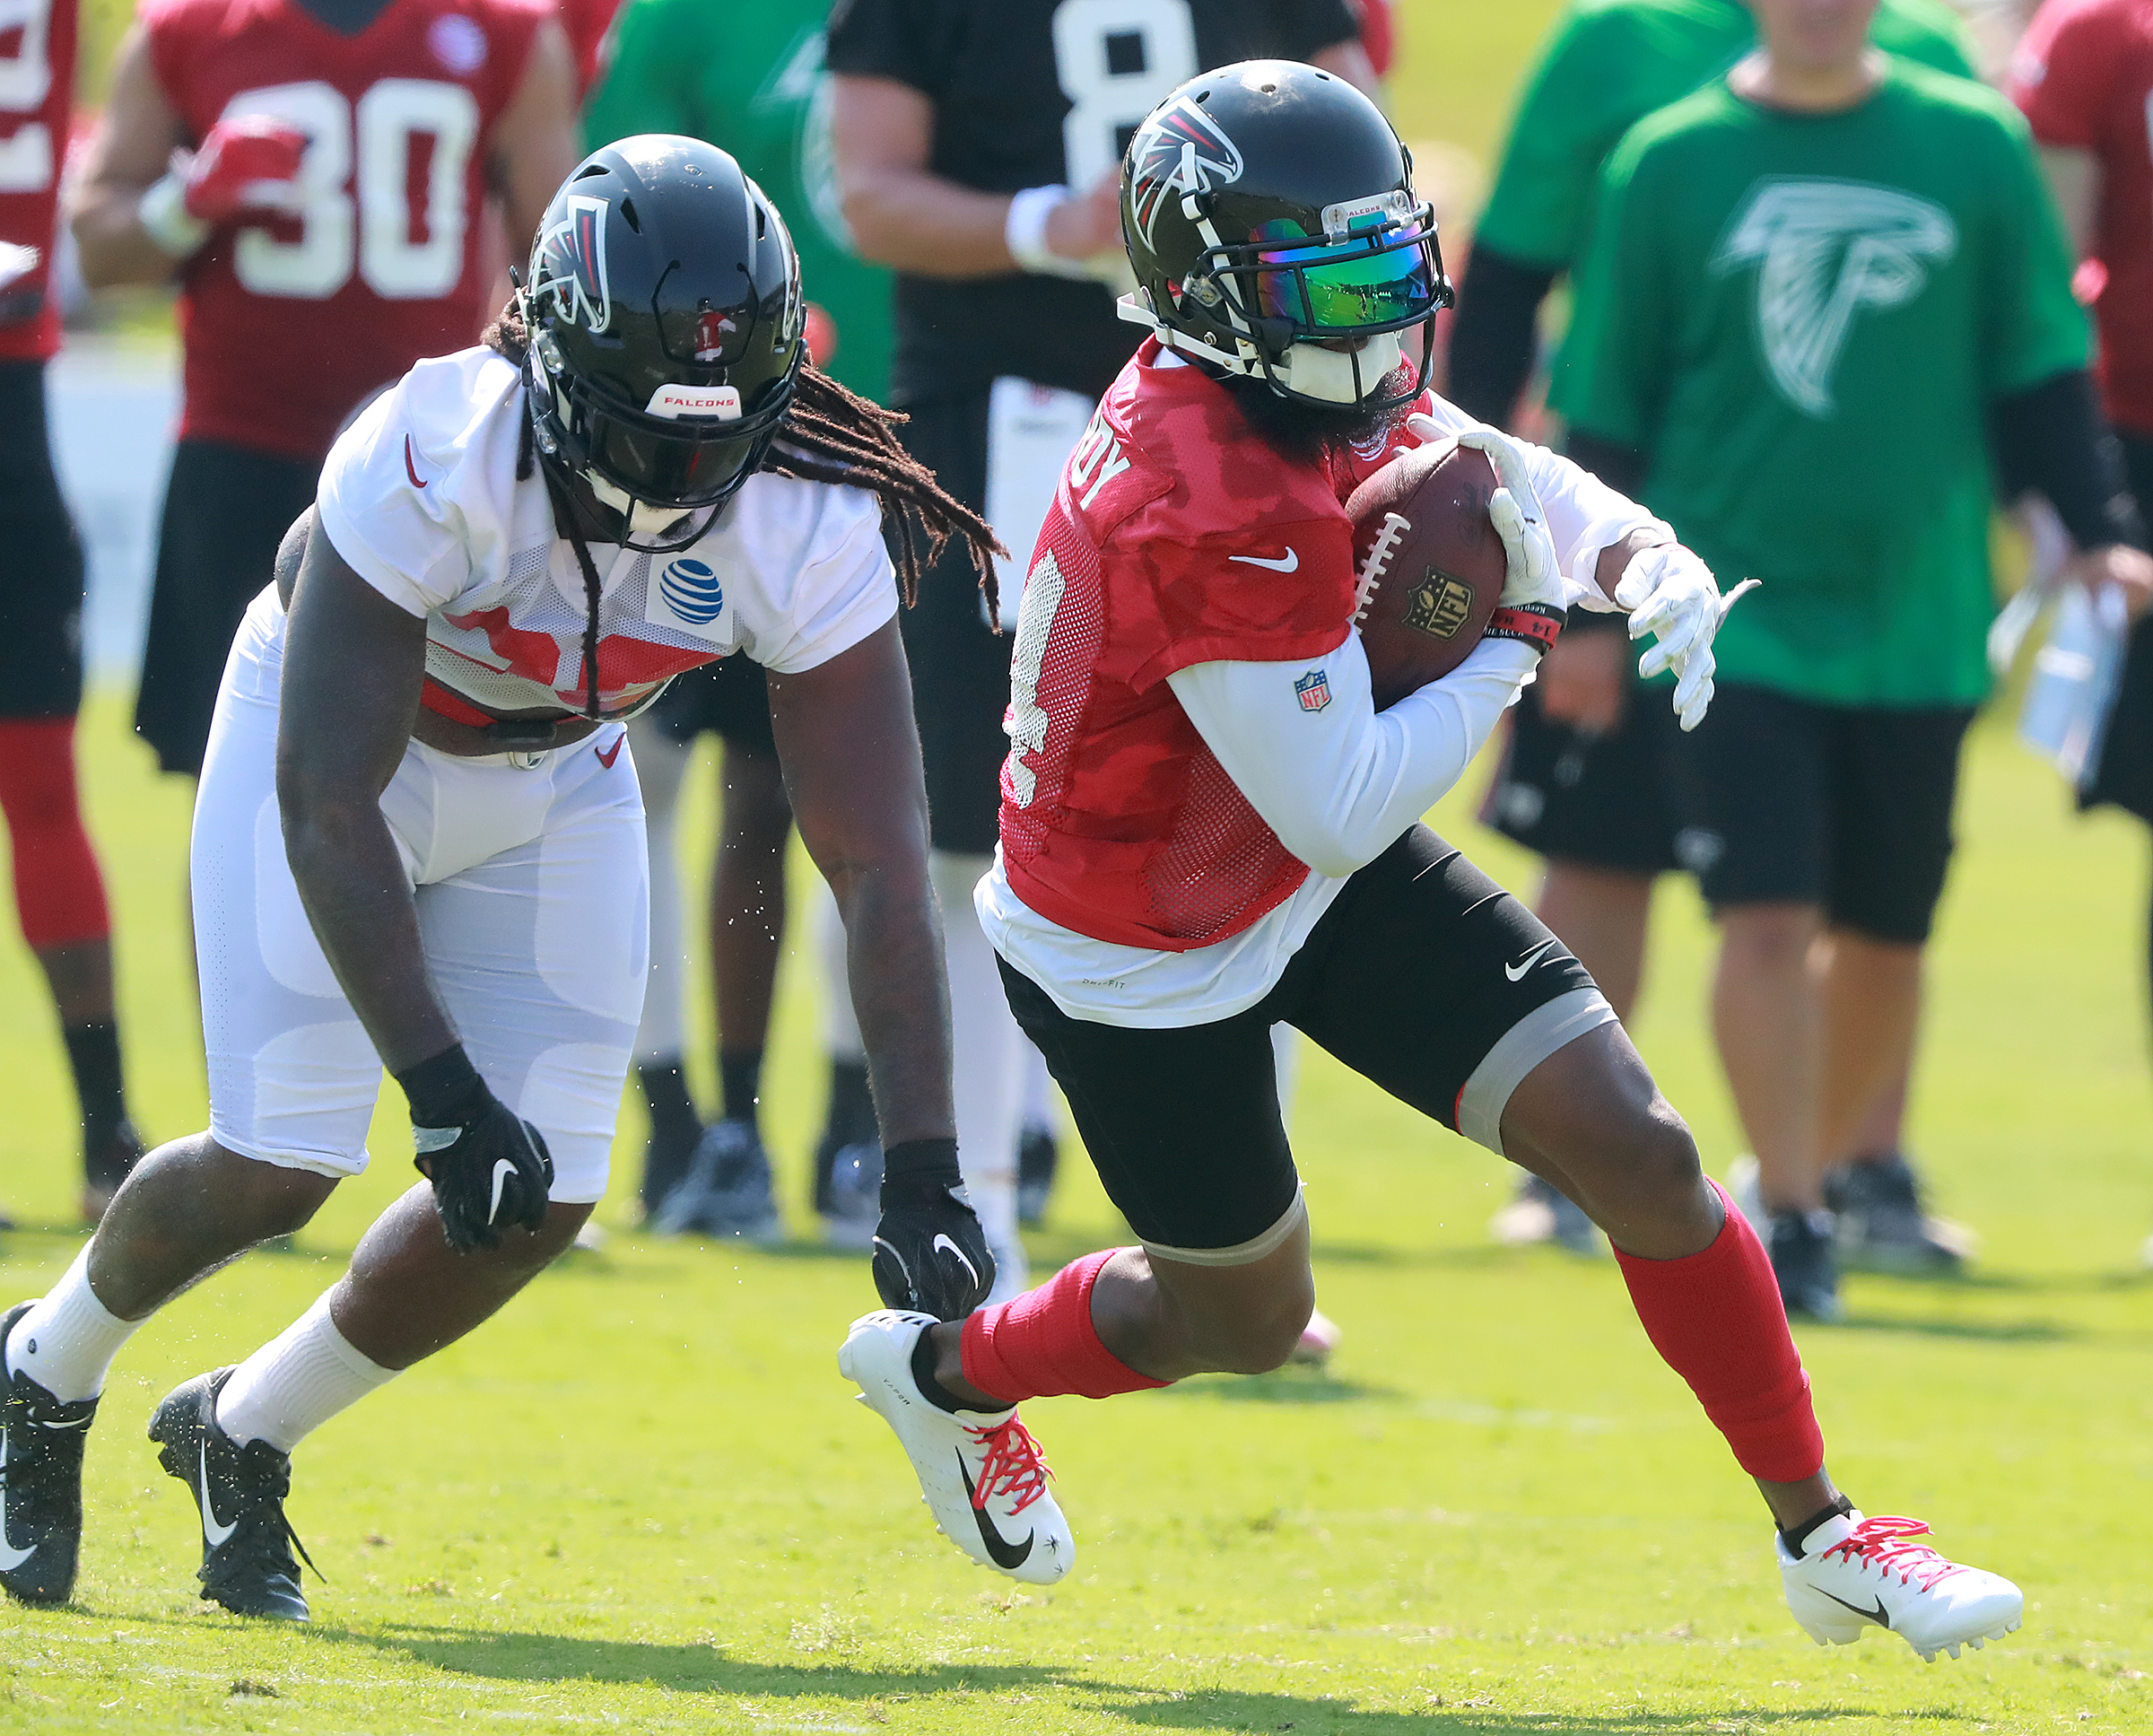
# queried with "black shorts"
point(960, 664)
point(1612, 801)
point(40, 561)
point(731, 698)
point(1846, 807)
point(1423, 976)
point(2123, 774)
point(226, 508)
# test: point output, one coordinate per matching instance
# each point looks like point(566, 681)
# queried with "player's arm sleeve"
point(2063, 74)
point(1340, 784)
point(844, 589)
point(409, 542)
point(905, 40)
point(1570, 113)
point(2052, 437)
point(1492, 337)
point(658, 51)
point(2034, 327)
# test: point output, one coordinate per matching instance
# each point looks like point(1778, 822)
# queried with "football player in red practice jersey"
point(2084, 78)
point(1206, 827)
point(59, 893)
point(314, 172)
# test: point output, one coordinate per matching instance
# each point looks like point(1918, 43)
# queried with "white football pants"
point(528, 872)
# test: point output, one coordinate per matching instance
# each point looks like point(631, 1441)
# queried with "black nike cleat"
point(247, 1542)
point(40, 1483)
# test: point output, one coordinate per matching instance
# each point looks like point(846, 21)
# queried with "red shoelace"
point(1014, 1465)
point(1887, 1542)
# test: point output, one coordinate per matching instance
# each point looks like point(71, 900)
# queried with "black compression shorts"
point(1423, 976)
point(226, 508)
point(40, 561)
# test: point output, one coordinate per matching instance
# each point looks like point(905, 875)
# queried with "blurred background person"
point(1584, 780)
point(314, 173)
point(1809, 285)
point(979, 147)
point(750, 81)
point(59, 889)
point(2084, 80)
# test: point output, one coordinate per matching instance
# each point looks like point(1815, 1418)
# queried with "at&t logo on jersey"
point(1826, 251)
point(692, 592)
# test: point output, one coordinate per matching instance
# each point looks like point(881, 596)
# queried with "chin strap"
point(564, 515)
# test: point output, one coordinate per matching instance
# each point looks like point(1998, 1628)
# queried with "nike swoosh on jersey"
point(606, 755)
point(942, 1242)
point(214, 1532)
point(11, 1558)
point(1005, 1554)
point(502, 1170)
point(1516, 972)
point(411, 469)
point(1876, 1615)
point(1287, 563)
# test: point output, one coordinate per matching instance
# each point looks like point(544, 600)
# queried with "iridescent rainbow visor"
point(1381, 273)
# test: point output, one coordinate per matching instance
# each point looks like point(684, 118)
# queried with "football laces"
point(1370, 578)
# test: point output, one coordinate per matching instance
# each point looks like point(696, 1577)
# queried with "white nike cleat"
point(1861, 1573)
point(980, 1470)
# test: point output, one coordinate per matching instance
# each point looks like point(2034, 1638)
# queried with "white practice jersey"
point(420, 496)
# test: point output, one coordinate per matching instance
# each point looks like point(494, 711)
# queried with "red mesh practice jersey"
point(37, 90)
point(289, 321)
point(2084, 76)
point(1177, 536)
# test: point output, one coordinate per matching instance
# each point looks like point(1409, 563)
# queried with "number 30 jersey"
point(289, 319)
point(37, 88)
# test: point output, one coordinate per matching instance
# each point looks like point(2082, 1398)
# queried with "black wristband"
point(445, 1090)
point(1537, 624)
point(922, 1163)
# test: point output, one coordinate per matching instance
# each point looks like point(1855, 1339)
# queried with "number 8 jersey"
point(291, 319)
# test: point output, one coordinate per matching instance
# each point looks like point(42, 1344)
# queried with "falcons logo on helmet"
point(1180, 151)
point(571, 265)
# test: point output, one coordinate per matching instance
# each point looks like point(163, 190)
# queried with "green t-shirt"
point(1801, 321)
point(750, 79)
point(1609, 64)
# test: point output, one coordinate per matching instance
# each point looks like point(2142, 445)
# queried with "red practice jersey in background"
point(289, 321)
point(37, 94)
point(1177, 536)
point(2084, 76)
point(589, 24)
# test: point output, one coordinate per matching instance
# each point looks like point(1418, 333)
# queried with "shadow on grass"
point(708, 1669)
point(1290, 1386)
point(1986, 1331)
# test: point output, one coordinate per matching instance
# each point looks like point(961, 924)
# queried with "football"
point(1429, 564)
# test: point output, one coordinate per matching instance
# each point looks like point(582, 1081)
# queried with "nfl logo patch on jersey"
point(687, 595)
point(1313, 690)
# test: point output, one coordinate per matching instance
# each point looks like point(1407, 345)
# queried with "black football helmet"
point(1268, 212)
point(667, 334)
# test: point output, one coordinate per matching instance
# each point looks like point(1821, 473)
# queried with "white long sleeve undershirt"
point(1339, 785)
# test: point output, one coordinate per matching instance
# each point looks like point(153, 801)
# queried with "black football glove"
point(930, 1253)
point(489, 1170)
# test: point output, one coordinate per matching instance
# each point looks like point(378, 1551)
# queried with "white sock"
point(987, 1051)
point(297, 1381)
point(66, 1341)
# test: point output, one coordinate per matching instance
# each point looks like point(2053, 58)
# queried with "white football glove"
point(1669, 591)
point(1535, 573)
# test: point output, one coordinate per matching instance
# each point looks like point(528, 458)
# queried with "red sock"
point(1044, 1343)
point(1716, 1319)
point(59, 894)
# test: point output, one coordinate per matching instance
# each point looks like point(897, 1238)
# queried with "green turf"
point(641, 1499)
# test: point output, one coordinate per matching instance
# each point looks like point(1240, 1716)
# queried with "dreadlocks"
point(833, 435)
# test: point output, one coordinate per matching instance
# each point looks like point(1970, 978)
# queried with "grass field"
point(642, 1500)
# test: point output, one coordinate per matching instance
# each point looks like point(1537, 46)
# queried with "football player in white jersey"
point(419, 843)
